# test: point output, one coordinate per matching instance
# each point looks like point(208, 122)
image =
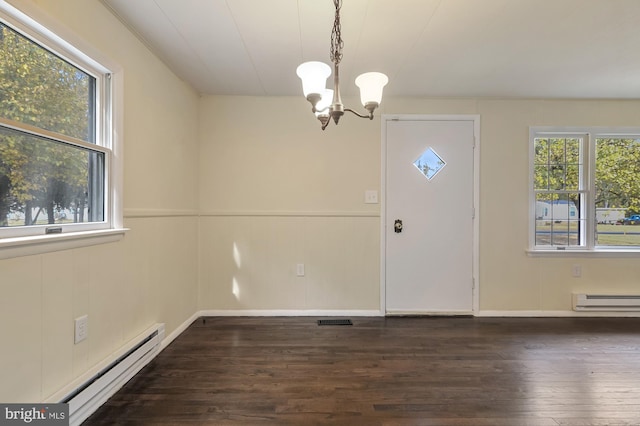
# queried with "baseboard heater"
point(88, 397)
point(606, 302)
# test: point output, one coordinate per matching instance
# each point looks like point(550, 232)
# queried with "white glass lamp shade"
point(314, 77)
point(371, 84)
point(325, 102)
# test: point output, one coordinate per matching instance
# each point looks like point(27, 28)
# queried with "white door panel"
point(429, 265)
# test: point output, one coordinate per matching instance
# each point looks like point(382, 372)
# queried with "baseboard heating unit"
point(606, 302)
point(86, 399)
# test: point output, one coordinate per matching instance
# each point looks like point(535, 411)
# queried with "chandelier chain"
point(336, 36)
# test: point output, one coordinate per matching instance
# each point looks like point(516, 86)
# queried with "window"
point(585, 189)
point(56, 150)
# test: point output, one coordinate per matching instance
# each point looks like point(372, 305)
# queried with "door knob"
point(397, 226)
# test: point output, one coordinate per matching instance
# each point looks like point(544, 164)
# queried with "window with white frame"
point(55, 139)
point(584, 189)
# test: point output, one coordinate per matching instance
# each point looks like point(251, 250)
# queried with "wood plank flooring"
point(389, 371)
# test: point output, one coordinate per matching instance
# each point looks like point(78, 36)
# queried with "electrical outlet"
point(576, 271)
point(300, 269)
point(81, 328)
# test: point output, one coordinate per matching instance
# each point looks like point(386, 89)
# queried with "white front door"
point(429, 216)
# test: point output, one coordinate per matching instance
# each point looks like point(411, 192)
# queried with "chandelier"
point(326, 103)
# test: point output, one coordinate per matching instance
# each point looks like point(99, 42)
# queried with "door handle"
point(397, 226)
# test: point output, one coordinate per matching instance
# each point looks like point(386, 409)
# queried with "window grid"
point(91, 146)
point(559, 191)
point(568, 181)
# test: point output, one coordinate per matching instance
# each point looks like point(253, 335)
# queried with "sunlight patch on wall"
point(236, 256)
point(235, 288)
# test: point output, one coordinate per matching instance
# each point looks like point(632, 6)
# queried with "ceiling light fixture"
point(314, 79)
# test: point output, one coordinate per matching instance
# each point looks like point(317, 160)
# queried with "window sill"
point(612, 252)
point(27, 246)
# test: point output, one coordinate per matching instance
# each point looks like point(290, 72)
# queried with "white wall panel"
point(58, 281)
point(21, 329)
point(249, 263)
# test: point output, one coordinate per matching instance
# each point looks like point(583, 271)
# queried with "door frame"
point(386, 118)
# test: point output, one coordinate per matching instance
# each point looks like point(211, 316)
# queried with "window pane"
point(572, 177)
point(541, 147)
point(541, 178)
point(557, 151)
point(47, 182)
point(558, 219)
point(574, 233)
point(557, 177)
point(543, 233)
point(41, 89)
point(573, 151)
point(617, 191)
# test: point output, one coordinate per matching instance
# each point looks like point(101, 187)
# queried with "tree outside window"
point(47, 104)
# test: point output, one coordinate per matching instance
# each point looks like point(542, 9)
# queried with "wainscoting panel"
point(250, 262)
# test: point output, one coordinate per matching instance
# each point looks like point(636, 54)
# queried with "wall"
point(267, 172)
point(276, 191)
point(149, 276)
point(511, 280)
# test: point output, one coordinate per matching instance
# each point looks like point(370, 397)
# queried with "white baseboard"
point(374, 313)
point(551, 314)
point(289, 313)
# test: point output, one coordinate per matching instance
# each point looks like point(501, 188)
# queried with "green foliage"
point(39, 89)
point(618, 173)
point(557, 162)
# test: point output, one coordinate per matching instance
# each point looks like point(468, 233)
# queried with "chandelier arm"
point(369, 116)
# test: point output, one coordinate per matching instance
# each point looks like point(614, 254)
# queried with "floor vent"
point(335, 322)
point(606, 302)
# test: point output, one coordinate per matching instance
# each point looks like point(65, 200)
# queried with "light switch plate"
point(371, 196)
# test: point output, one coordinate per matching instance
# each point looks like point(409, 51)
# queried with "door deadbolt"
point(397, 226)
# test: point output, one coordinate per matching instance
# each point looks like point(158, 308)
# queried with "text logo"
point(34, 414)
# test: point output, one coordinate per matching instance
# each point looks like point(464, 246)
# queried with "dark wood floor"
point(390, 371)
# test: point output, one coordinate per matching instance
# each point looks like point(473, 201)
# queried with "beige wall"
point(509, 279)
point(267, 172)
point(282, 192)
point(125, 287)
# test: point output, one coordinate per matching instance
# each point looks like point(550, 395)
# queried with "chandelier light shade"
point(323, 105)
point(371, 85)
point(314, 77)
point(326, 103)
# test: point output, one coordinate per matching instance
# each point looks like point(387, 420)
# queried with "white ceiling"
point(459, 48)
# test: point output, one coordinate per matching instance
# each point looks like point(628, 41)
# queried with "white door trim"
point(385, 118)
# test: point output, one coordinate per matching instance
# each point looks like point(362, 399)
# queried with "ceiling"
point(438, 48)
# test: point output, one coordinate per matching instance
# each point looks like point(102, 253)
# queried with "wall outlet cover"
point(81, 325)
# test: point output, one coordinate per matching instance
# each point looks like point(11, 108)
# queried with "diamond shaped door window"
point(429, 163)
